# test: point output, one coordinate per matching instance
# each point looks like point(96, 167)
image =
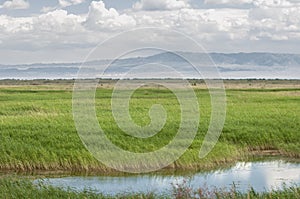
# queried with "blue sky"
point(67, 30)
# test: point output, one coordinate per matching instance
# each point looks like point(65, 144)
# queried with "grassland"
point(37, 130)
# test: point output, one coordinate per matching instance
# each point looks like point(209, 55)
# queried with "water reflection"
point(262, 176)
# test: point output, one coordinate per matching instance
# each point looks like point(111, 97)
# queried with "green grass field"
point(37, 130)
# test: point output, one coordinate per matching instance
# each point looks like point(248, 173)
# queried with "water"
point(262, 176)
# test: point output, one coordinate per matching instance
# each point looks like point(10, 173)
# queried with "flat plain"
point(37, 129)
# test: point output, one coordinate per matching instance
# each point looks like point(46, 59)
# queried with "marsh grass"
point(37, 130)
point(184, 190)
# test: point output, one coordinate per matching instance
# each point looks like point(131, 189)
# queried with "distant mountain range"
point(231, 65)
point(254, 59)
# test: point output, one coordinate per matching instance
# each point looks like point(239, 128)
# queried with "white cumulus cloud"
point(160, 5)
point(15, 4)
point(62, 4)
point(66, 3)
point(100, 18)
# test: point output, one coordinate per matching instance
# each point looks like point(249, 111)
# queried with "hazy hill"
point(231, 65)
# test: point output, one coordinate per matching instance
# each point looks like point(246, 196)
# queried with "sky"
point(33, 31)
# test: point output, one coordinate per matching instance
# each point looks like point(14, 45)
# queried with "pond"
point(262, 176)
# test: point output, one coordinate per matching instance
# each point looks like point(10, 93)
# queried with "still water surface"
point(262, 176)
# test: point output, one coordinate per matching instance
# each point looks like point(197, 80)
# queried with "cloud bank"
point(267, 23)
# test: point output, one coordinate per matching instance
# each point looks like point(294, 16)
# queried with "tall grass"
point(37, 130)
point(183, 191)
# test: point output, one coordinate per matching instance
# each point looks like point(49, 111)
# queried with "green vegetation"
point(37, 130)
point(24, 188)
point(183, 190)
